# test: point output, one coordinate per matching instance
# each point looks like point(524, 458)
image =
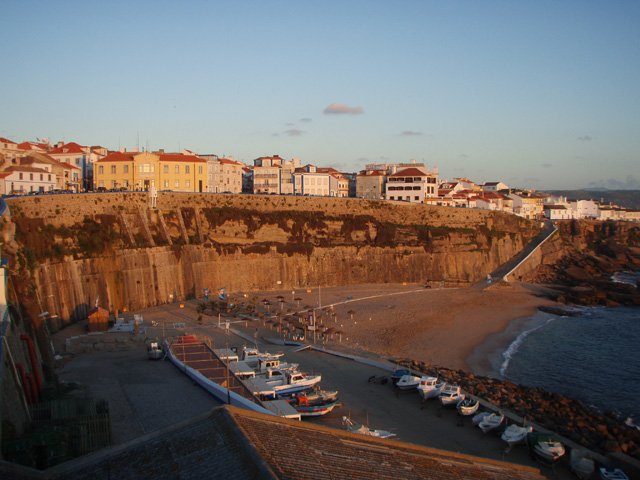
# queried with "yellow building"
point(141, 171)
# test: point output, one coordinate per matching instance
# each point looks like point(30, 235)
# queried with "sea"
point(593, 357)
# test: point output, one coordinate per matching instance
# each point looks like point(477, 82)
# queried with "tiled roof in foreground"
point(232, 443)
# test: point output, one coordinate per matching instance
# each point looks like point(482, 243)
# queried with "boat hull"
point(315, 410)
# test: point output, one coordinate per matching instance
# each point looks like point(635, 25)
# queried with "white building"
point(21, 179)
point(411, 185)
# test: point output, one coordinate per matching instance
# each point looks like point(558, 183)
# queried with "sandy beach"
point(439, 326)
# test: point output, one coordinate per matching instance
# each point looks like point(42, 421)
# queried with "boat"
point(251, 356)
point(398, 374)
point(610, 473)
point(429, 387)
point(286, 382)
point(581, 463)
point(491, 422)
point(311, 407)
point(408, 383)
point(545, 447)
point(364, 430)
point(515, 434)
point(468, 406)
point(154, 351)
point(315, 395)
point(479, 417)
point(450, 395)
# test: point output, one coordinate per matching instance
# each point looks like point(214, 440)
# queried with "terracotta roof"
point(372, 173)
point(410, 172)
point(232, 443)
point(228, 161)
point(118, 157)
point(4, 140)
point(25, 168)
point(67, 148)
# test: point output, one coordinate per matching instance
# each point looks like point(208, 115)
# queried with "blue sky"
point(537, 94)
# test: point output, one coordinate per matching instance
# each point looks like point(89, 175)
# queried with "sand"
point(439, 326)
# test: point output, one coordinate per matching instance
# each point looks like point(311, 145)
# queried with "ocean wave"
point(628, 277)
point(515, 345)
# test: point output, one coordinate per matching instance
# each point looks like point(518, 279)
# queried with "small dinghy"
point(468, 406)
point(408, 383)
point(545, 447)
point(479, 417)
point(581, 463)
point(398, 374)
point(155, 352)
point(610, 473)
point(364, 430)
point(515, 435)
point(491, 422)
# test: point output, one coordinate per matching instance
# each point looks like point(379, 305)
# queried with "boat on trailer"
point(408, 383)
point(451, 395)
point(429, 387)
point(310, 407)
point(545, 447)
point(467, 406)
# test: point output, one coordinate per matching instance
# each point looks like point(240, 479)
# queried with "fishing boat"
point(364, 430)
point(429, 387)
point(450, 395)
point(251, 356)
point(307, 407)
point(408, 383)
point(286, 382)
point(545, 447)
point(398, 374)
point(479, 417)
point(491, 422)
point(610, 473)
point(467, 406)
point(515, 434)
point(581, 463)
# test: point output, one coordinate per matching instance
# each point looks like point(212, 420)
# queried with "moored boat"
point(311, 408)
point(468, 406)
point(515, 434)
point(398, 374)
point(429, 387)
point(491, 422)
point(450, 395)
point(155, 352)
point(287, 382)
point(581, 463)
point(545, 447)
point(408, 383)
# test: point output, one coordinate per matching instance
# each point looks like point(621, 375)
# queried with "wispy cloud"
point(305, 120)
point(585, 138)
point(410, 133)
point(338, 109)
point(546, 165)
point(293, 132)
point(463, 155)
point(629, 183)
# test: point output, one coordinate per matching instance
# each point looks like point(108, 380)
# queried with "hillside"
point(622, 198)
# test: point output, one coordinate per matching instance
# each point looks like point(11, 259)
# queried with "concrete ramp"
point(306, 346)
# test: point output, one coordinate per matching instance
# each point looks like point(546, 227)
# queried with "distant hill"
point(623, 198)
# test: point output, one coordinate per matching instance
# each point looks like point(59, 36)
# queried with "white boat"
point(491, 422)
point(468, 406)
point(479, 417)
point(408, 382)
point(581, 463)
point(610, 473)
point(155, 352)
point(286, 382)
point(515, 434)
point(251, 356)
point(450, 395)
point(545, 447)
point(364, 430)
point(429, 387)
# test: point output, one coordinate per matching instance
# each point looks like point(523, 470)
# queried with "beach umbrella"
point(352, 313)
point(298, 299)
point(340, 332)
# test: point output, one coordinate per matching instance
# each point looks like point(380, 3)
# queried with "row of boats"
point(545, 447)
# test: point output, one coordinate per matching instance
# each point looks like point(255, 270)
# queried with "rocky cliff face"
point(69, 250)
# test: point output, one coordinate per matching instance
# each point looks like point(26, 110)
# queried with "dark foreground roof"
point(232, 443)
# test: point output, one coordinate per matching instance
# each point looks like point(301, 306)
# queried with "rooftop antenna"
point(138, 141)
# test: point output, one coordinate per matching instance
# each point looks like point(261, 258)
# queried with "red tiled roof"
point(372, 173)
point(410, 172)
point(118, 157)
point(25, 168)
point(228, 161)
point(4, 140)
point(177, 157)
point(68, 148)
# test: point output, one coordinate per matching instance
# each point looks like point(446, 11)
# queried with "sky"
point(536, 94)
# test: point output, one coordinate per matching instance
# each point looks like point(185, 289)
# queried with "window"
point(41, 177)
point(126, 182)
point(200, 169)
point(101, 183)
point(177, 184)
point(20, 175)
point(417, 198)
point(125, 168)
point(187, 183)
point(166, 182)
point(113, 169)
point(186, 169)
point(113, 184)
point(49, 178)
point(31, 176)
point(146, 168)
point(177, 169)
point(166, 170)
point(101, 169)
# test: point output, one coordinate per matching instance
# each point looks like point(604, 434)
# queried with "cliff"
point(68, 250)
